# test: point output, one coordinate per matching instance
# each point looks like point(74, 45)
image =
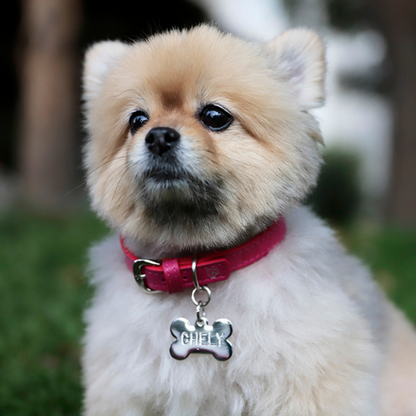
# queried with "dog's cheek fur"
point(109, 178)
point(269, 168)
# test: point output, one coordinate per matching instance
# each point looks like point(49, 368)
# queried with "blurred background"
point(366, 191)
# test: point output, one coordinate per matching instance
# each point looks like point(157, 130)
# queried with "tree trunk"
point(49, 99)
point(402, 202)
point(397, 20)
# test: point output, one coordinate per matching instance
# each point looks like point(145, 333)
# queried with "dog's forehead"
point(176, 73)
point(174, 69)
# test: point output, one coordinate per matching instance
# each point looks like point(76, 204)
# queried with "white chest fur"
point(304, 322)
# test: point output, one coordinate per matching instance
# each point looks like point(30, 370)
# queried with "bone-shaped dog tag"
point(201, 338)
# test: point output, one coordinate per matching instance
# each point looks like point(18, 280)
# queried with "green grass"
point(43, 293)
point(391, 254)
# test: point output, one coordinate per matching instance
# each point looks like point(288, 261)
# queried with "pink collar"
point(175, 274)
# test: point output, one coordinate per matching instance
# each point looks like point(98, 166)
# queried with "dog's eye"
point(137, 120)
point(215, 117)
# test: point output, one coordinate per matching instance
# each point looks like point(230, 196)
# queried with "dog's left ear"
point(299, 56)
point(100, 59)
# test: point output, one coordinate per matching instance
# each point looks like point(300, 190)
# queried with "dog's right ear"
point(100, 59)
point(299, 55)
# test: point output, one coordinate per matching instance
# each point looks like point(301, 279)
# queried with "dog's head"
point(197, 137)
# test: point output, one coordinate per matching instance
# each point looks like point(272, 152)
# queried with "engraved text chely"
point(202, 339)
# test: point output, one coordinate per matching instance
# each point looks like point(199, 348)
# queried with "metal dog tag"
point(201, 338)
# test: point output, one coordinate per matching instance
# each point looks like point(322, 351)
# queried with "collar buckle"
point(139, 276)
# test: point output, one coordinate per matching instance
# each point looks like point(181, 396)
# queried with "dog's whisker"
point(91, 172)
point(109, 179)
point(118, 183)
point(124, 92)
point(74, 189)
point(105, 163)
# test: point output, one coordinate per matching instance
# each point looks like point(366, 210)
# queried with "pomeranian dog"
point(200, 152)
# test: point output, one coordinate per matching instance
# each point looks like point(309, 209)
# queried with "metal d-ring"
point(199, 288)
point(194, 274)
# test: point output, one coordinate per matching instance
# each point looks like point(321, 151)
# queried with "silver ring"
point(196, 302)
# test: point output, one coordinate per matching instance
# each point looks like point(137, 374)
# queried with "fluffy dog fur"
point(313, 333)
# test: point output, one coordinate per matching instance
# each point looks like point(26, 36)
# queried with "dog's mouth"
point(166, 175)
point(179, 184)
point(172, 194)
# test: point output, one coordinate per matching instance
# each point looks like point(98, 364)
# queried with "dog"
point(201, 149)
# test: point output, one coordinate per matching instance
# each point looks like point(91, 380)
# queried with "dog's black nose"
point(161, 139)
